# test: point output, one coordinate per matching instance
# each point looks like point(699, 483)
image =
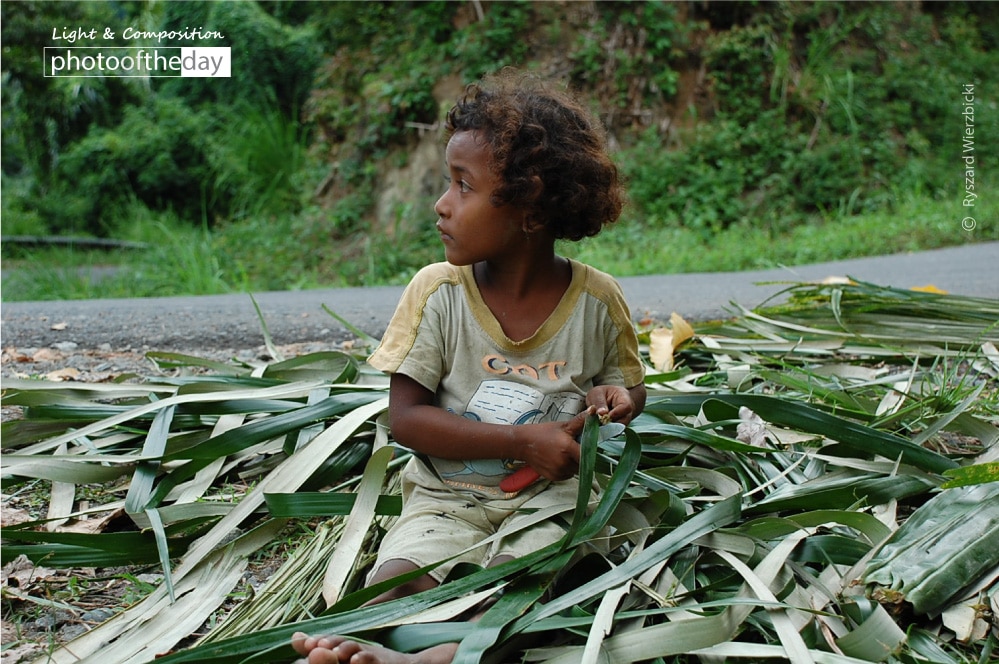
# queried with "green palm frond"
point(769, 504)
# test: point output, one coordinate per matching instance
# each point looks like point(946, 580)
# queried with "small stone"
point(66, 346)
point(97, 615)
point(149, 578)
point(52, 620)
point(70, 632)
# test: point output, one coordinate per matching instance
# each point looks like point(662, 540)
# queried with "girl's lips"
point(444, 236)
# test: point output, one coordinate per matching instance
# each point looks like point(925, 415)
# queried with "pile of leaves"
point(815, 481)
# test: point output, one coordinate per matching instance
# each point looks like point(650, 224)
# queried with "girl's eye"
point(463, 186)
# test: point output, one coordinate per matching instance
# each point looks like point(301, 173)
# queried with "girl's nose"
point(441, 207)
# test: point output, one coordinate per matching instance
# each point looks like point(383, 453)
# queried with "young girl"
point(496, 356)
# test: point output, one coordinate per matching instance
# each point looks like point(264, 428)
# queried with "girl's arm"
point(549, 447)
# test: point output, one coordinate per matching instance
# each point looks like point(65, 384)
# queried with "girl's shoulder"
point(595, 282)
point(443, 283)
point(430, 277)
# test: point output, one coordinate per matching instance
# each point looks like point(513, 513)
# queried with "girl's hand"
point(552, 448)
point(612, 403)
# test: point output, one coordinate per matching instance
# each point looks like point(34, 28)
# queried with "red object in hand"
point(524, 477)
point(519, 479)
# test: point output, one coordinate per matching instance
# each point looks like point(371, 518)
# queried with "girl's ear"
point(531, 223)
point(537, 188)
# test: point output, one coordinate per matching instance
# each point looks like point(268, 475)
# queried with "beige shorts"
point(438, 522)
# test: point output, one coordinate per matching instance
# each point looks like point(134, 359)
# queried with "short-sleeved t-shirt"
point(444, 337)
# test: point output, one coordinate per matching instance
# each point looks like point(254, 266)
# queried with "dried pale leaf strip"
point(84, 471)
point(359, 521)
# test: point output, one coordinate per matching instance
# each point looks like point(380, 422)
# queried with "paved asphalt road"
point(230, 321)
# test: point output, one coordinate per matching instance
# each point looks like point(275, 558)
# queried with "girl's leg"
point(390, 569)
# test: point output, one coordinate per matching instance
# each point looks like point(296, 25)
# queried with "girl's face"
point(471, 227)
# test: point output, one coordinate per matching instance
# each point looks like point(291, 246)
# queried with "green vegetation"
point(261, 254)
point(814, 481)
point(751, 135)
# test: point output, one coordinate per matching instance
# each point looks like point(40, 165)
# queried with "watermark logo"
point(88, 61)
point(126, 61)
point(968, 155)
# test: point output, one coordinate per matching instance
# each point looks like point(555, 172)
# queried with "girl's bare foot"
point(341, 650)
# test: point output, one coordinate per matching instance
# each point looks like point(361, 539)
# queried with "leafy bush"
point(370, 88)
point(270, 60)
point(816, 109)
point(496, 41)
point(157, 155)
point(741, 63)
point(17, 217)
point(791, 112)
point(724, 173)
point(169, 156)
point(625, 58)
point(255, 162)
point(42, 114)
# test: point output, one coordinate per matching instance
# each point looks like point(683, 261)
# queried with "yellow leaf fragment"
point(929, 288)
point(663, 341)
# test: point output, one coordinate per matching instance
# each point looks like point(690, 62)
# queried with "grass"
point(917, 223)
point(762, 503)
point(296, 252)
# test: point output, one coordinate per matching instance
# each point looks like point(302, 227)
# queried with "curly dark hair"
point(550, 153)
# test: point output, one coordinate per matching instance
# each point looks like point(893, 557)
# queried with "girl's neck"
point(521, 297)
point(518, 279)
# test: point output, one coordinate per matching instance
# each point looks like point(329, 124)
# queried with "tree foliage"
point(725, 113)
